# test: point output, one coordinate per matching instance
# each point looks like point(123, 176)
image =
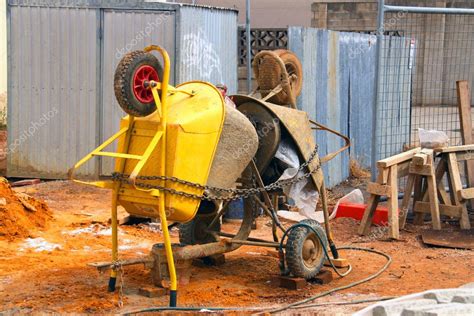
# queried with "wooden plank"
point(447, 210)
point(464, 105)
point(466, 194)
point(422, 157)
point(454, 149)
point(338, 263)
point(406, 200)
point(439, 174)
point(366, 221)
point(456, 185)
point(442, 194)
point(369, 212)
point(417, 196)
point(403, 169)
point(378, 189)
point(433, 194)
point(393, 203)
point(424, 170)
point(465, 155)
point(289, 283)
point(402, 157)
point(454, 172)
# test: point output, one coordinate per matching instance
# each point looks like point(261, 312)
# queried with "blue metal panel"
point(360, 54)
point(325, 94)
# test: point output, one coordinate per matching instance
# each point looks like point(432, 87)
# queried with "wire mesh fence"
point(418, 70)
point(421, 57)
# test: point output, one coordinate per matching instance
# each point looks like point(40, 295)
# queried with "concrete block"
point(441, 310)
point(446, 296)
point(464, 299)
point(395, 308)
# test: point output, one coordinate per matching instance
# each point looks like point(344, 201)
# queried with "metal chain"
point(236, 193)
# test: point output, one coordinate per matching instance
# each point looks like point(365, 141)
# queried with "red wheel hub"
point(142, 74)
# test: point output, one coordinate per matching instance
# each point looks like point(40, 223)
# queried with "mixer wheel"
point(194, 232)
point(129, 82)
point(304, 253)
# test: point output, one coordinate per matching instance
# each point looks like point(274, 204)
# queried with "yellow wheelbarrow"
point(169, 139)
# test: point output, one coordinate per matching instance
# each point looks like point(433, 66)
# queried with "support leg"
point(113, 272)
point(417, 196)
point(433, 196)
point(372, 204)
point(169, 253)
point(406, 200)
point(456, 183)
point(393, 203)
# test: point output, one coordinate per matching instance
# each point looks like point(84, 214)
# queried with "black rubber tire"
point(190, 233)
point(123, 82)
point(294, 250)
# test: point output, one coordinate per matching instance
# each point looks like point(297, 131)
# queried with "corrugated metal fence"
point(62, 57)
point(338, 91)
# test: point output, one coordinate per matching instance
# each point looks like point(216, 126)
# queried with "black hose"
point(298, 304)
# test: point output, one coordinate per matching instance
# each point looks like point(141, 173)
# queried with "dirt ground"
point(48, 271)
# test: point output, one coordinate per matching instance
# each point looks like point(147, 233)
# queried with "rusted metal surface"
point(297, 124)
point(461, 239)
point(268, 131)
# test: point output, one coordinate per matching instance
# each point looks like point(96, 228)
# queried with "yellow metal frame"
point(121, 156)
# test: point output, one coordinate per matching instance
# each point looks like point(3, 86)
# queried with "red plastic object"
point(356, 211)
point(144, 73)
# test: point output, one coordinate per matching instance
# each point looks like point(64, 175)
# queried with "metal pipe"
point(380, 30)
point(327, 226)
point(255, 243)
point(249, 238)
point(430, 10)
point(249, 47)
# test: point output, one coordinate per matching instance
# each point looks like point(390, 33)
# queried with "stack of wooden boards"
point(425, 180)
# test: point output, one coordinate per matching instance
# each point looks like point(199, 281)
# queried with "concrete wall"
point(267, 13)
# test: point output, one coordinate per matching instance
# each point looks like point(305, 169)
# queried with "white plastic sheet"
point(303, 193)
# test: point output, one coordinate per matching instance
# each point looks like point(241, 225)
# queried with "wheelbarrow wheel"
point(132, 72)
point(270, 75)
point(195, 232)
point(304, 252)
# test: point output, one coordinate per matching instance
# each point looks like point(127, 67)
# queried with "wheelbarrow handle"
point(330, 156)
